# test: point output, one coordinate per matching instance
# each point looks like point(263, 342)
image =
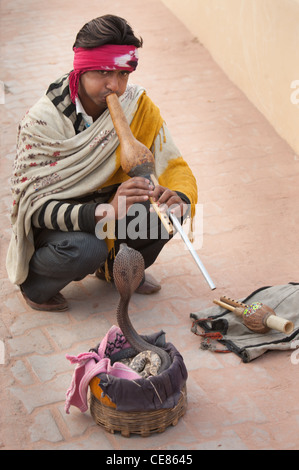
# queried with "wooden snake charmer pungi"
point(137, 160)
point(257, 317)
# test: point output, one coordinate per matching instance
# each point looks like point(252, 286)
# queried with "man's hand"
point(135, 190)
point(138, 190)
point(165, 199)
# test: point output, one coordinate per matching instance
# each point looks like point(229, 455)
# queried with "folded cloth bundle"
point(228, 329)
point(91, 363)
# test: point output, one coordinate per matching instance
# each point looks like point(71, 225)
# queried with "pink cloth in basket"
point(90, 364)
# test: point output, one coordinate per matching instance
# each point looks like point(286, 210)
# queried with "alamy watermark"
point(138, 223)
point(295, 354)
point(295, 94)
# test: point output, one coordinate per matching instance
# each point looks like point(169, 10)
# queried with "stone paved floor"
point(248, 186)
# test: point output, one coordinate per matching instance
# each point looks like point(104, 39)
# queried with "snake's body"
point(128, 271)
point(145, 363)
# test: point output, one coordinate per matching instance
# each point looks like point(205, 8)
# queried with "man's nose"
point(113, 82)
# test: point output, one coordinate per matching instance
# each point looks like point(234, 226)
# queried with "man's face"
point(95, 85)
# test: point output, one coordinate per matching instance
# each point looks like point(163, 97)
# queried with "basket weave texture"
point(143, 423)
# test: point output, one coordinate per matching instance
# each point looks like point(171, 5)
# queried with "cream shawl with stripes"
point(53, 162)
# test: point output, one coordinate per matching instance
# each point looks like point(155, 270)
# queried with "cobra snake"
point(128, 271)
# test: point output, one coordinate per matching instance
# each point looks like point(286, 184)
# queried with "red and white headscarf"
point(107, 57)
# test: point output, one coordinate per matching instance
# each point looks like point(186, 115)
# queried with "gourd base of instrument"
point(257, 322)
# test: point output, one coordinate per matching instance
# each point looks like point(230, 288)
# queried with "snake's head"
point(128, 270)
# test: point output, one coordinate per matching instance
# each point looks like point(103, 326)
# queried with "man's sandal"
point(57, 303)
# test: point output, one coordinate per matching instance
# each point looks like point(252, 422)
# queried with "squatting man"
point(67, 176)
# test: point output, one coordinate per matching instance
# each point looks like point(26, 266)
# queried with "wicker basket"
point(143, 423)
